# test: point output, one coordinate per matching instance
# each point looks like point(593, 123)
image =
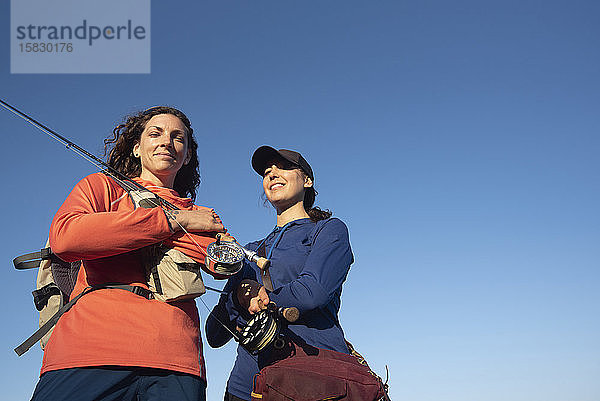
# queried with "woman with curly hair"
point(310, 257)
point(123, 345)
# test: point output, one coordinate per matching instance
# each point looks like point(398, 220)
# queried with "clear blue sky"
point(458, 140)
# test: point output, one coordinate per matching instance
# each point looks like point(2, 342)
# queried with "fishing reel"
point(264, 327)
point(224, 258)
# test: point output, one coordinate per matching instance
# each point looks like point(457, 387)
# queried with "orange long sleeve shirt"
point(98, 224)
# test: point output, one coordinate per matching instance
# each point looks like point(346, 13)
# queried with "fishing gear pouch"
point(311, 374)
point(172, 275)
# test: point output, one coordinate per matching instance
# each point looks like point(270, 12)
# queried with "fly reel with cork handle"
point(226, 258)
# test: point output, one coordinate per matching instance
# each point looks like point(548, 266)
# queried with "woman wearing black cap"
point(310, 257)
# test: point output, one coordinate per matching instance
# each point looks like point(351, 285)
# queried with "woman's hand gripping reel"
point(264, 328)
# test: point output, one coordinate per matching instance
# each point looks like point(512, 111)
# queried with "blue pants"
point(116, 383)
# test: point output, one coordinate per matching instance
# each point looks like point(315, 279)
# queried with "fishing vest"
point(170, 275)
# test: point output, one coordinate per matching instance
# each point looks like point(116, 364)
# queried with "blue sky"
point(458, 141)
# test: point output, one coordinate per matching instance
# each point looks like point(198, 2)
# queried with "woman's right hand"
point(201, 220)
point(252, 296)
point(259, 302)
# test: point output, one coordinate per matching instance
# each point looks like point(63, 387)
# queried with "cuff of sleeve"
point(168, 220)
point(232, 307)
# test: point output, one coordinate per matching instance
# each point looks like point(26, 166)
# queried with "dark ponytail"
point(314, 213)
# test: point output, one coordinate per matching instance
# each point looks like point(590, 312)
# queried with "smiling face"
point(162, 148)
point(284, 184)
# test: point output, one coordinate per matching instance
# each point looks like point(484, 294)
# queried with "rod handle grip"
point(290, 314)
point(263, 263)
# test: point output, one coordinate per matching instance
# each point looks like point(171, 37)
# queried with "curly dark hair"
point(119, 148)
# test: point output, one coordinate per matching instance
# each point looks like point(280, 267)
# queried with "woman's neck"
point(165, 182)
point(292, 213)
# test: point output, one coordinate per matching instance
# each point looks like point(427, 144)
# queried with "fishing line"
point(218, 320)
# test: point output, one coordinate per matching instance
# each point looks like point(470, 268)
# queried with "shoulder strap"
point(142, 198)
point(32, 260)
point(265, 274)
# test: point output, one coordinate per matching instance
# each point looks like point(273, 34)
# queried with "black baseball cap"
point(265, 154)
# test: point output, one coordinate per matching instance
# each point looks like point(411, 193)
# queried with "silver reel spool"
point(225, 258)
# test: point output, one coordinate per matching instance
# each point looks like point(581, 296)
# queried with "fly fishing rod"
point(225, 257)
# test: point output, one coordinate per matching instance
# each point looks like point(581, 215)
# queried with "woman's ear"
point(188, 157)
point(136, 150)
point(307, 182)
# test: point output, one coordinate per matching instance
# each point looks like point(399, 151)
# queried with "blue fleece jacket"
point(309, 264)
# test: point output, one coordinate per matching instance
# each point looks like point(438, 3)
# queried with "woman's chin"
point(165, 168)
point(282, 205)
